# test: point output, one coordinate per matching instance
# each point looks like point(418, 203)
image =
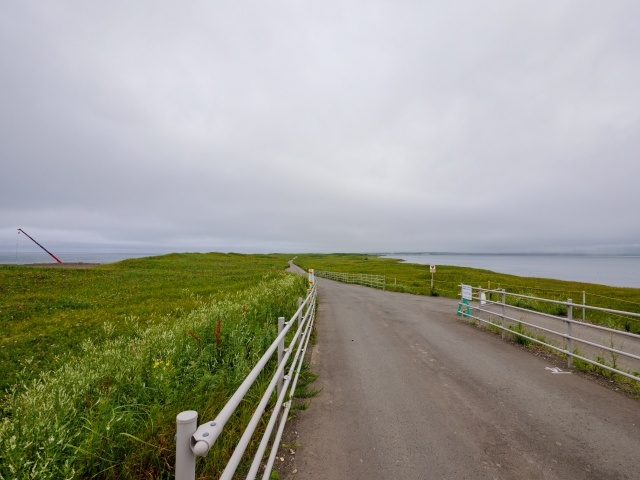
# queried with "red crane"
point(56, 258)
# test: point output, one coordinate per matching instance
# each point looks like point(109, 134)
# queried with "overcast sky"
point(321, 126)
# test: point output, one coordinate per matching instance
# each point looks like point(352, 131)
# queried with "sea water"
point(618, 271)
point(22, 258)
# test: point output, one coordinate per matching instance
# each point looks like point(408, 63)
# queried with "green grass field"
point(135, 343)
point(416, 279)
point(46, 313)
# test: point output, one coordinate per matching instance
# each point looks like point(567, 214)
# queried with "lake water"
point(41, 257)
point(619, 271)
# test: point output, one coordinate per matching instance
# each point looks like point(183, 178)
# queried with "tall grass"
point(46, 313)
point(109, 412)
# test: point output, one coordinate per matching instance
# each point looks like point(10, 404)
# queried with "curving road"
point(411, 392)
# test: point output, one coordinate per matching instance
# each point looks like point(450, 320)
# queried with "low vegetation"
point(416, 279)
point(47, 313)
point(108, 408)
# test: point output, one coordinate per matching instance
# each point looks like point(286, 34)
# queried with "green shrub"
point(522, 340)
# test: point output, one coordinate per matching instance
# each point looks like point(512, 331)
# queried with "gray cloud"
point(271, 126)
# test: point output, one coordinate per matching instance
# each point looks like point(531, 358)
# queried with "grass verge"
point(109, 410)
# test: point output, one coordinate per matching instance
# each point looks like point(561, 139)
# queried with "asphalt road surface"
point(412, 392)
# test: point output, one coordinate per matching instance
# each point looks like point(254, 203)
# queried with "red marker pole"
point(56, 258)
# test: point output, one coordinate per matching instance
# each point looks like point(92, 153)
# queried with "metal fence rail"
point(484, 306)
point(193, 440)
point(366, 279)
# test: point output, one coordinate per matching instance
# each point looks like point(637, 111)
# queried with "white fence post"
point(569, 341)
point(185, 459)
point(280, 353)
point(300, 314)
point(503, 302)
point(584, 302)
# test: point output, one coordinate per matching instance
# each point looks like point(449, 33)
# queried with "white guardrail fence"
point(368, 280)
point(588, 336)
point(193, 440)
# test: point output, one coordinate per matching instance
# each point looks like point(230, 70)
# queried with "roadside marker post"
point(432, 269)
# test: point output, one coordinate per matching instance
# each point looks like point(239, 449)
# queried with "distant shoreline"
point(613, 270)
point(512, 254)
point(62, 265)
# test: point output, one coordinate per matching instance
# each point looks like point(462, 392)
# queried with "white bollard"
point(185, 459)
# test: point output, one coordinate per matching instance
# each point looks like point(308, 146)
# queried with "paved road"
point(411, 392)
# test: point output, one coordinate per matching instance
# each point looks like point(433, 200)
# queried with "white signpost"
point(432, 269)
point(467, 292)
point(463, 307)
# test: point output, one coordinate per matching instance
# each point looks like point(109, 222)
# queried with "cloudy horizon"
point(300, 127)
